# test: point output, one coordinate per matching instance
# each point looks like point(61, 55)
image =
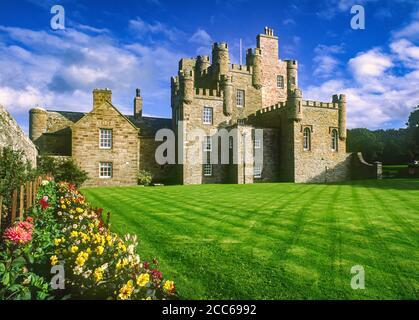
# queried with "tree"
point(63, 169)
point(413, 137)
point(365, 141)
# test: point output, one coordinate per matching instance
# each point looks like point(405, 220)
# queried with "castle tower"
point(220, 58)
point(228, 95)
point(294, 103)
point(100, 96)
point(342, 116)
point(254, 59)
point(202, 64)
point(138, 105)
point(38, 118)
point(292, 75)
point(187, 85)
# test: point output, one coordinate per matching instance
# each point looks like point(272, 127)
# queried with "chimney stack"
point(100, 96)
point(138, 105)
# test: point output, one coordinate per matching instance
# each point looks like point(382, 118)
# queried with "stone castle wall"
point(124, 154)
point(11, 135)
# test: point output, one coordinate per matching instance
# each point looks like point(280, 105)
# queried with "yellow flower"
point(169, 286)
point(54, 260)
point(121, 263)
point(143, 279)
point(122, 247)
point(99, 250)
point(81, 258)
point(74, 234)
point(63, 206)
point(57, 242)
point(79, 210)
point(89, 250)
point(98, 274)
point(74, 249)
point(126, 291)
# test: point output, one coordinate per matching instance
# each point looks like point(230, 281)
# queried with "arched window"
point(335, 140)
point(307, 139)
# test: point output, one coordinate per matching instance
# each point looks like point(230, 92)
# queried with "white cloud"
point(201, 37)
point(411, 31)
point(59, 70)
point(372, 63)
point(324, 61)
point(142, 28)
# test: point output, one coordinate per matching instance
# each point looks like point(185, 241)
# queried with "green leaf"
point(6, 279)
point(2, 268)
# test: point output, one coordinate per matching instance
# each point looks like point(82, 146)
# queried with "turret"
point(138, 105)
point(292, 75)
point(187, 86)
point(341, 101)
point(228, 95)
point(100, 96)
point(294, 103)
point(202, 63)
point(220, 58)
point(254, 58)
point(38, 118)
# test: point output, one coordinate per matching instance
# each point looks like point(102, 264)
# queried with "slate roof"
point(148, 125)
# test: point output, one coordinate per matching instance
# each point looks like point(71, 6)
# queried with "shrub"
point(63, 169)
point(66, 230)
point(14, 170)
point(144, 177)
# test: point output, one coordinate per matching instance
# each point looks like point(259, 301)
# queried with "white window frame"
point(105, 138)
point(240, 98)
point(257, 171)
point(307, 139)
point(335, 140)
point(207, 144)
point(258, 144)
point(105, 167)
point(280, 81)
point(207, 115)
point(207, 168)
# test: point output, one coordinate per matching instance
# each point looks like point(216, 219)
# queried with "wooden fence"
point(21, 199)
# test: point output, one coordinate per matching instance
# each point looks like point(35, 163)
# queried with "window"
point(207, 144)
point(257, 171)
point(207, 170)
point(334, 140)
point(105, 170)
point(105, 139)
point(240, 98)
point(207, 118)
point(280, 82)
point(258, 144)
point(307, 139)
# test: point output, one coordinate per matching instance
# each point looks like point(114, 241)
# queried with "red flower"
point(29, 219)
point(44, 202)
point(156, 274)
point(146, 265)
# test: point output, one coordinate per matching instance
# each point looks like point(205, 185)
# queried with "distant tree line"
point(393, 146)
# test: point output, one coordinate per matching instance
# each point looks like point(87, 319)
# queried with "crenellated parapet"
point(186, 79)
point(220, 59)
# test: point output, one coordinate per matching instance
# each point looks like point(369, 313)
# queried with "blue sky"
point(128, 44)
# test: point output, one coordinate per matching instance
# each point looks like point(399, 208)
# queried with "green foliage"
point(14, 170)
point(413, 121)
point(365, 141)
point(144, 177)
point(63, 169)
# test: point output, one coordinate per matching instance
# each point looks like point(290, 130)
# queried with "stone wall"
point(124, 153)
point(11, 135)
point(320, 163)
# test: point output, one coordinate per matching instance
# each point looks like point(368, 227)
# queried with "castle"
point(299, 140)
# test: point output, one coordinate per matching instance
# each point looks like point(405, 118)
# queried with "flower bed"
point(66, 233)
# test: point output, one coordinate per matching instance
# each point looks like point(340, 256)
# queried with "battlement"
point(292, 64)
point(276, 106)
point(320, 104)
point(208, 93)
point(242, 68)
point(220, 46)
point(203, 59)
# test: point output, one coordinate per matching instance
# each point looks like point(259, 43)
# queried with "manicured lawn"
point(276, 241)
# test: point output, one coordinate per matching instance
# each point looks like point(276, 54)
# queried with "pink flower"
point(18, 233)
